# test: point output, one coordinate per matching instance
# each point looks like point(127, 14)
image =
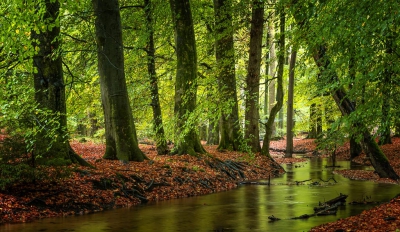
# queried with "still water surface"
point(244, 209)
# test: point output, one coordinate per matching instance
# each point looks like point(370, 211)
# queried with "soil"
point(114, 184)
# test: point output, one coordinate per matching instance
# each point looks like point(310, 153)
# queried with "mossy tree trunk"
point(158, 128)
point(252, 114)
point(187, 141)
point(231, 136)
point(50, 90)
point(121, 140)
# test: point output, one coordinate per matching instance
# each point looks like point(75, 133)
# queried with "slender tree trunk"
point(213, 133)
point(158, 128)
point(93, 123)
point(279, 93)
point(312, 133)
point(268, 78)
point(315, 121)
point(231, 137)
point(50, 89)
point(280, 122)
point(289, 119)
point(252, 115)
point(319, 120)
point(272, 73)
point(386, 95)
point(186, 79)
point(121, 140)
point(355, 147)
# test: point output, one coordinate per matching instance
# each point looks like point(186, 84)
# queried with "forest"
point(113, 103)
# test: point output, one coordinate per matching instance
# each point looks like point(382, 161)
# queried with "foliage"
point(22, 122)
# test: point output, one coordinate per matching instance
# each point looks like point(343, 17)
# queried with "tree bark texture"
point(186, 79)
point(272, 71)
point(289, 117)
point(158, 128)
point(279, 93)
point(231, 136)
point(50, 88)
point(121, 140)
point(252, 114)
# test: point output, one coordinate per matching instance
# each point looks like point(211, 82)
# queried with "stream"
point(243, 209)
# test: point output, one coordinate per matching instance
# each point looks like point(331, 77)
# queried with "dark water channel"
point(244, 209)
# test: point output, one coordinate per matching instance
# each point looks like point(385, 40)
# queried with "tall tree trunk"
point(280, 121)
point(121, 140)
point(386, 95)
point(186, 79)
point(355, 147)
point(312, 132)
point(213, 133)
point(279, 93)
point(315, 121)
point(252, 114)
point(50, 88)
point(272, 72)
point(231, 137)
point(268, 78)
point(289, 118)
point(158, 128)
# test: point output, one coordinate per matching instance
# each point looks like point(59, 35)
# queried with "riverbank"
point(385, 217)
point(114, 184)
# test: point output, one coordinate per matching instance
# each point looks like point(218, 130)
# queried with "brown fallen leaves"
point(114, 184)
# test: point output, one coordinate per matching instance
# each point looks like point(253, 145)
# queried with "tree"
point(289, 120)
point(121, 140)
point(303, 14)
point(252, 114)
point(315, 121)
point(161, 143)
point(271, 70)
point(50, 88)
point(281, 61)
point(186, 80)
point(225, 57)
point(386, 91)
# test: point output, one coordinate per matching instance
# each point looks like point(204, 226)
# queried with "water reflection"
point(244, 209)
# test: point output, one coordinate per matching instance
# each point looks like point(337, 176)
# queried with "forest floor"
point(113, 184)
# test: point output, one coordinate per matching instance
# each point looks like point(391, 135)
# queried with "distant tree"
point(272, 61)
point(188, 141)
point(289, 117)
point(121, 140)
point(279, 79)
point(161, 143)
